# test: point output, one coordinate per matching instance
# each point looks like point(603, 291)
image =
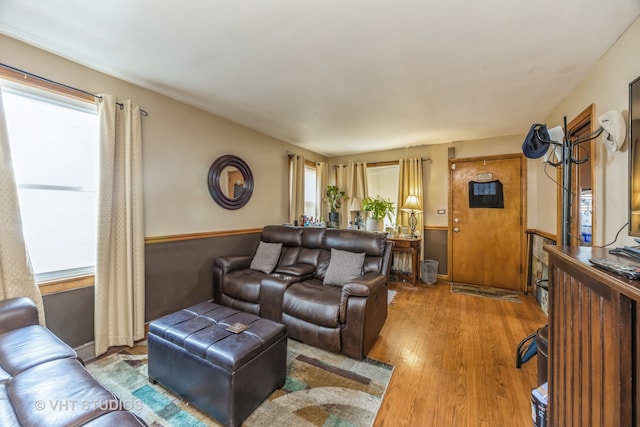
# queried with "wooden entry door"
point(486, 243)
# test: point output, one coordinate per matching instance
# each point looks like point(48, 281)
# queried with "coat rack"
point(567, 162)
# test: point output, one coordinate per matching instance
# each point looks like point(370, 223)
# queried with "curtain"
point(322, 180)
point(409, 183)
point(351, 178)
point(16, 277)
point(120, 287)
point(296, 187)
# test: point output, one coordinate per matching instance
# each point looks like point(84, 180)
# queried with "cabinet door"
point(591, 354)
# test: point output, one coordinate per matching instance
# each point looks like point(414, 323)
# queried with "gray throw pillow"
point(344, 266)
point(266, 257)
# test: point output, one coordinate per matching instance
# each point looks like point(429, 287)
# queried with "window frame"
point(395, 163)
point(49, 90)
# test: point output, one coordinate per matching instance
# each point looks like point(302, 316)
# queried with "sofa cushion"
point(7, 414)
point(266, 257)
point(243, 285)
point(4, 377)
point(58, 393)
point(344, 266)
point(313, 302)
point(29, 346)
point(116, 418)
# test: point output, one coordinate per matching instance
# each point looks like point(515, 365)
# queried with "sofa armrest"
point(363, 311)
point(222, 266)
point(230, 263)
point(299, 270)
point(272, 289)
point(363, 286)
point(17, 313)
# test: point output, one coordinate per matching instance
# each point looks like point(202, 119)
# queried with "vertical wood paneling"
point(592, 350)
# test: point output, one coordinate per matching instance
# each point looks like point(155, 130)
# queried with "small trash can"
point(542, 341)
point(429, 271)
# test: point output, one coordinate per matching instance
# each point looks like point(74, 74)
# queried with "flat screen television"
point(634, 157)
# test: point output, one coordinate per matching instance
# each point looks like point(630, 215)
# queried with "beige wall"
point(436, 172)
point(180, 143)
point(606, 86)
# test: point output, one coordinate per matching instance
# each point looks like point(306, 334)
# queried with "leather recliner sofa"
point(340, 317)
point(43, 383)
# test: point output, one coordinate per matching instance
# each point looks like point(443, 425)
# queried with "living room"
point(181, 141)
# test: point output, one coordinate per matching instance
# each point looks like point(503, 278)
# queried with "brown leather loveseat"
point(43, 383)
point(327, 286)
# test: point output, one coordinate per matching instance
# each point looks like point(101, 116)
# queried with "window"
point(54, 146)
point(383, 181)
point(310, 202)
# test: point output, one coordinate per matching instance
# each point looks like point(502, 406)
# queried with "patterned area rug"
point(391, 296)
point(321, 389)
point(485, 291)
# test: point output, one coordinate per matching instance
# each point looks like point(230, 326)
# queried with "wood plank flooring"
point(454, 358)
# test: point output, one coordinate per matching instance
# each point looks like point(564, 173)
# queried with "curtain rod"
point(428, 160)
point(53, 82)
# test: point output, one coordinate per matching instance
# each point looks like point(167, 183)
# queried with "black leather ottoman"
point(224, 374)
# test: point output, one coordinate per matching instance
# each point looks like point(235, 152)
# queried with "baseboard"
point(86, 352)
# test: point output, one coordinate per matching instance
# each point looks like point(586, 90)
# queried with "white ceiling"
point(340, 76)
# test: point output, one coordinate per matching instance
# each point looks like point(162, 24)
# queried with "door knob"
point(456, 229)
point(456, 219)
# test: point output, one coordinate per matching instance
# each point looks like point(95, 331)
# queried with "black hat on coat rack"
point(539, 140)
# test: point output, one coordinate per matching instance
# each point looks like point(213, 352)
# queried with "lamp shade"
point(356, 204)
point(412, 204)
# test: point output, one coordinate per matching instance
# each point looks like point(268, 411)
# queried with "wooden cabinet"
point(412, 247)
point(593, 341)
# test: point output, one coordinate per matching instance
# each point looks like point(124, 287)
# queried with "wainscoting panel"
point(69, 315)
point(435, 247)
point(179, 272)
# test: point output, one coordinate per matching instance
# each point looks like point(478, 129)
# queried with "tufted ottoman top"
point(202, 331)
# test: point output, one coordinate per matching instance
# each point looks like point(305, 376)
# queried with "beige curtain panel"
point(119, 289)
point(16, 277)
point(296, 187)
point(322, 180)
point(352, 179)
point(410, 184)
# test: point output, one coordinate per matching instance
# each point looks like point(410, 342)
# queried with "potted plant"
point(378, 208)
point(334, 197)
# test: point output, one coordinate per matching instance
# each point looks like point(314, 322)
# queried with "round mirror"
point(230, 182)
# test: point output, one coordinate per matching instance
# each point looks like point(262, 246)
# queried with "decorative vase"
point(374, 224)
point(334, 220)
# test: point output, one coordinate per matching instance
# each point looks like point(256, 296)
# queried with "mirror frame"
point(213, 182)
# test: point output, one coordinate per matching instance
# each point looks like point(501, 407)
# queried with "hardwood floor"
point(454, 358)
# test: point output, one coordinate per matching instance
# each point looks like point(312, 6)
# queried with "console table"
point(412, 247)
point(594, 358)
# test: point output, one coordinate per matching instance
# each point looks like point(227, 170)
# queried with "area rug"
point(321, 389)
point(485, 291)
point(391, 296)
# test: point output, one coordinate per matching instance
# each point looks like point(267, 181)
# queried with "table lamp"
point(412, 205)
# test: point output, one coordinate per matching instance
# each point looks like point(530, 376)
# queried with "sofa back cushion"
point(288, 236)
point(312, 246)
point(372, 244)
